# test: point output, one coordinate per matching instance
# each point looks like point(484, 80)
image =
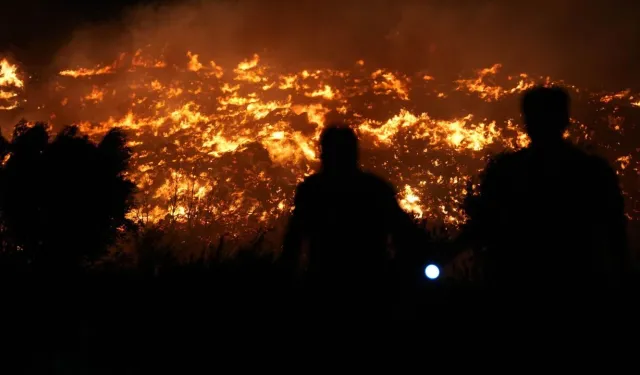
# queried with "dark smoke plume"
point(588, 43)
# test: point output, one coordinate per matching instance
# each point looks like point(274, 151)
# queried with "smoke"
point(589, 43)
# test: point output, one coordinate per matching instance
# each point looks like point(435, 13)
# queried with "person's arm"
point(295, 233)
point(410, 242)
point(480, 207)
point(614, 220)
point(405, 234)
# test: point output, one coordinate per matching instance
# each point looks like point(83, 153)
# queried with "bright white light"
point(432, 271)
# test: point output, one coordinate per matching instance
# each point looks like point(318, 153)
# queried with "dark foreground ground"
point(125, 324)
point(105, 325)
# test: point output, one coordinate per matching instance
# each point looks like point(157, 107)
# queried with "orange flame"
point(229, 145)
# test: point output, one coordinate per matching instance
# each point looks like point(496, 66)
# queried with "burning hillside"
point(228, 144)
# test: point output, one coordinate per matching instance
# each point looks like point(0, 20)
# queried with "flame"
point(227, 145)
point(624, 161)
point(96, 94)
point(9, 83)
point(9, 75)
point(387, 82)
point(620, 96)
point(82, 72)
point(484, 84)
point(410, 201)
point(140, 60)
point(194, 65)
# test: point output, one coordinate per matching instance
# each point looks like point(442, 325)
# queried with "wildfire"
point(226, 146)
point(10, 85)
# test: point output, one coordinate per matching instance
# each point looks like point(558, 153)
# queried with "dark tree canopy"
point(63, 201)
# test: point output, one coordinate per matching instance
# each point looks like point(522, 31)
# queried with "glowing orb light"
point(432, 271)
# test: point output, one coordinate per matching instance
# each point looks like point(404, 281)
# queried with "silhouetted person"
point(550, 216)
point(345, 217)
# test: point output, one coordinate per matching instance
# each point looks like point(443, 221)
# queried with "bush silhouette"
point(63, 202)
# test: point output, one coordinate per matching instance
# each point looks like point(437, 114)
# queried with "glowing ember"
point(226, 146)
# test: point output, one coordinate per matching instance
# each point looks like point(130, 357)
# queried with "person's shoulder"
point(376, 182)
point(589, 160)
point(312, 179)
point(308, 185)
point(597, 165)
point(506, 160)
point(310, 182)
point(597, 161)
point(595, 170)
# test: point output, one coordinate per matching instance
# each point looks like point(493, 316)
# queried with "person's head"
point(546, 113)
point(338, 148)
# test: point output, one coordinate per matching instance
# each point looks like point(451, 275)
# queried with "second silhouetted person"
point(345, 217)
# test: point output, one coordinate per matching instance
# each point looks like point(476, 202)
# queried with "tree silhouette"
point(64, 202)
point(4, 153)
point(22, 188)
